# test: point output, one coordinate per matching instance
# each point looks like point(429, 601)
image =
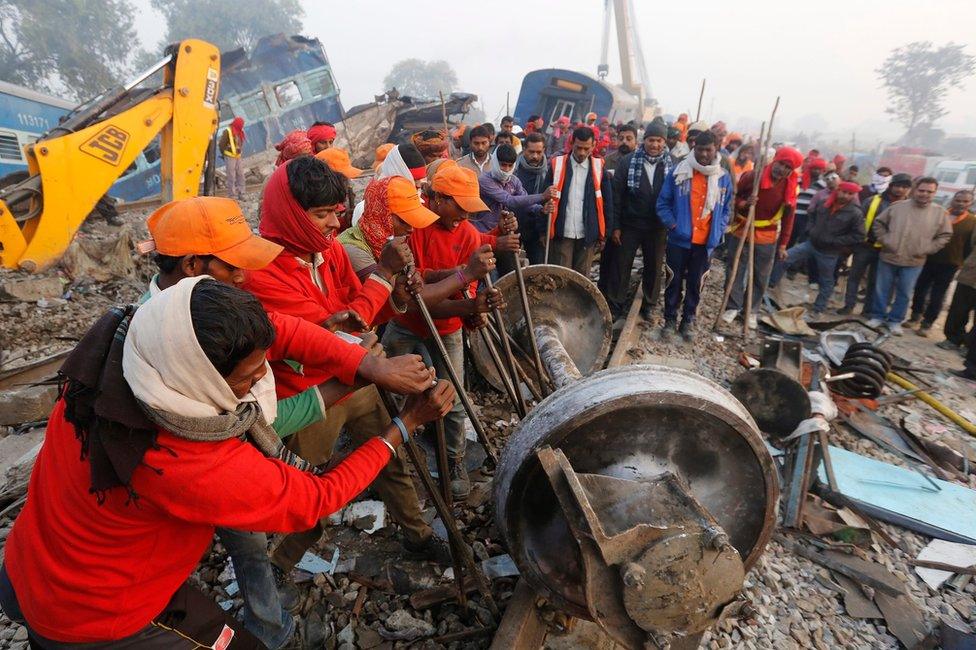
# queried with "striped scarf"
point(636, 169)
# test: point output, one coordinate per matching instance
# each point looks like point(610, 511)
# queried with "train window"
point(152, 151)
point(226, 112)
point(255, 106)
point(10, 147)
point(319, 83)
point(971, 176)
point(947, 176)
point(288, 94)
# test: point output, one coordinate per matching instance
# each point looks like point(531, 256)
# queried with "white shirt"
point(574, 199)
point(649, 170)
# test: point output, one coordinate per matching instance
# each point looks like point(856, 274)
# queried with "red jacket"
point(286, 286)
point(85, 572)
point(434, 249)
point(312, 345)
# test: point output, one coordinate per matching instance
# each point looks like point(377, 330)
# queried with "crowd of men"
point(215, 405)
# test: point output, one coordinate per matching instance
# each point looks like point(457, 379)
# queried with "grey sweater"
point(908, 233)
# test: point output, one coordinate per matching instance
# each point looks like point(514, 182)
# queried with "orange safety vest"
point(559, 178)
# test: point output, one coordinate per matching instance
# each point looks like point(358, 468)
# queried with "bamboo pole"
point(701, 95)
point(752, 232)
point(757, 173)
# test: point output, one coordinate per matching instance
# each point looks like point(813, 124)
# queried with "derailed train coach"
point(554, 93)
point(283, 83)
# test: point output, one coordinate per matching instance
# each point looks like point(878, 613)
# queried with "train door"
point(561, 108)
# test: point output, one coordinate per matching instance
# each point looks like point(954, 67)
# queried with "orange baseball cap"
point(338, 161)
point(382, 152)
point(461, 184)
point(401, 196)
point(210, 225)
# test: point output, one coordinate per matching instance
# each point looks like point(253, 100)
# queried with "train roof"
point(35, 96)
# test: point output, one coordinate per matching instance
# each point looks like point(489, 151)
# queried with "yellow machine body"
point(78, 168)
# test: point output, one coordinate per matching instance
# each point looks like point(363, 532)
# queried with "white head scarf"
point(392, 165)
point(163, 363)
point(686, 169)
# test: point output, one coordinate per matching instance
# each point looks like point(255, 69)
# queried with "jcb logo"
point(107, 145)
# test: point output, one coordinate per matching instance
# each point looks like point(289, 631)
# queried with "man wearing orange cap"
point(209, 236)
point(321, 135)
point(775, 208)
point(440, 250)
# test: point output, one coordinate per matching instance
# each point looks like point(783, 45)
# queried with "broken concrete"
point(18, 288)
point(27, 404)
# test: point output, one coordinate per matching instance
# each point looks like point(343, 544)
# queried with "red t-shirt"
point(286, 286)
point(85, 572)
point(436, 248)
point(768, 204)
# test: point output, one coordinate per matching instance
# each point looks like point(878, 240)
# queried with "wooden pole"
point(508, 108)
point(447, 129)
point(752, 232)
point(701, 95)
point(757, 174)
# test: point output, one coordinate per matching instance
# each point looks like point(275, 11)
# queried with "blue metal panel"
point(28, 115)
point(905, 498)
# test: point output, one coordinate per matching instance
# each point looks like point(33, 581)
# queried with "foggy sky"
point(819, 57)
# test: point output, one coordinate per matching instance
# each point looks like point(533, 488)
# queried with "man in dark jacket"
point(834, 227)
point(531, 169)
point(637, 182)
point(866, 253)
point(583, 204)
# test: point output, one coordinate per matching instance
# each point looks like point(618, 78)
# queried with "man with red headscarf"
point(321, 135)
point(835, 227)
point(557, 139)
point(294, 144)
point(314, 279)
point(231, 146)
point(775, 207)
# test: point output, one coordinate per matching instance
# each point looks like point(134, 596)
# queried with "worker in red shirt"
point(162, 434)
point(441, 250)
point(209, 235)
point(775, 212)
point(314, 279)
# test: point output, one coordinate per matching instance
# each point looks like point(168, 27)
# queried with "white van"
point(954, 175)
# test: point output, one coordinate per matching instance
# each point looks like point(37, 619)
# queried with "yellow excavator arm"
point(74, 165)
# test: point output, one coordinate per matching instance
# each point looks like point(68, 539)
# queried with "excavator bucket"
point(72, 168)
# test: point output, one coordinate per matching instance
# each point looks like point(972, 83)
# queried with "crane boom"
point(633, 68)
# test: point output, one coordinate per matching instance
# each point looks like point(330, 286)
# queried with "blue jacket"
point(500, 196)
point(674, 211)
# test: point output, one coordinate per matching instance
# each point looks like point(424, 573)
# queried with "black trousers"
point(652, 243)
point(191, 620)
point(963, 306)
point(865, 263)
point(930, 290)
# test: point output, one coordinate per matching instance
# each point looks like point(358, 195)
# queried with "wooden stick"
point(942, 566)
point(701, 95)
point(757, 173)
point(447, 130)
point(747, 311)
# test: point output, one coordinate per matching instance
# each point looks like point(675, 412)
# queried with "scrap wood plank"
point(521, 626)
point(626, 339)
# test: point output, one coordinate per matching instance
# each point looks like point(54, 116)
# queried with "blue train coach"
point(554, 93)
